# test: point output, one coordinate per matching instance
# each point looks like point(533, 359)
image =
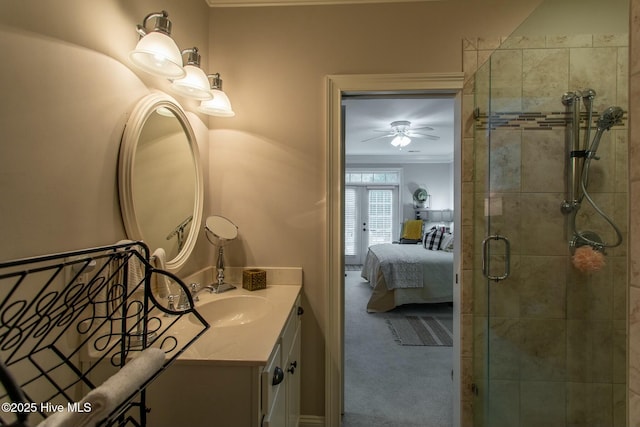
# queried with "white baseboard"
point(311, 421)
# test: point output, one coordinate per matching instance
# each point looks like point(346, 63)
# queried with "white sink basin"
point(234, 310)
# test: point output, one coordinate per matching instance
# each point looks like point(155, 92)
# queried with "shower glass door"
point(550, 340)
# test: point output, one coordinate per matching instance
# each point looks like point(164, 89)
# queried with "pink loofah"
point(588, 260)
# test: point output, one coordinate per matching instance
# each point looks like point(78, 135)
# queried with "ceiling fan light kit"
point(401, 133)
point(401, 141)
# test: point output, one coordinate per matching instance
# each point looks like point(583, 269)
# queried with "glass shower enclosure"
point(549, 337)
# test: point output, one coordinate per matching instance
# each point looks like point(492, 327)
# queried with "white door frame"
point(337, 85)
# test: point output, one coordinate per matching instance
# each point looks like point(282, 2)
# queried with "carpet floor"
point(387, 384)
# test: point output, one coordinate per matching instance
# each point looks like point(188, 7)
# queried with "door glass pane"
point(379, 177)
point(350, 216)
point(380, 216)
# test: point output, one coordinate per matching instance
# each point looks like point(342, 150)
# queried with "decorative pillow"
point(433, 237)
point(447, 242)
point(412, 230)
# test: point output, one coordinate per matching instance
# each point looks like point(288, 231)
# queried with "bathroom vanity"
point(244, 371)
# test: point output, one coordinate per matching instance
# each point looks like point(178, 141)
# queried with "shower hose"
point(582, 238)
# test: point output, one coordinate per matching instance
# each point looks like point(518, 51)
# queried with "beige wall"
point(268, 163)
point(67, 89)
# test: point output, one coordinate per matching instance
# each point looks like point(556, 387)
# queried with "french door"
point(371, 214)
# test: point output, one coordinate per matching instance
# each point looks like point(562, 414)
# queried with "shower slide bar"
point(577, 153)
point(580, 157)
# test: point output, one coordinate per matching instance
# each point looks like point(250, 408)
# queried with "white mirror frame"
point(133, 129)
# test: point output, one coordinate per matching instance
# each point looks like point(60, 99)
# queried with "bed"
point(406, 274)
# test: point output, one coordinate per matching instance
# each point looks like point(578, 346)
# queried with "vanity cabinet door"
point(272, 381)
point(281, 401)
point(293, 382)
point(277, 416)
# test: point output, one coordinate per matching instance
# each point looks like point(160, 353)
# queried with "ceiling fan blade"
point(423, 135)
point(389, 135)
point(422, 127)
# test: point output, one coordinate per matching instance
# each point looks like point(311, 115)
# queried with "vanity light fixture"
point(156, 52)
point(219, 105)
point(195, 83)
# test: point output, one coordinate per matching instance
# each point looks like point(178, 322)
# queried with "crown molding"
point(253, 3)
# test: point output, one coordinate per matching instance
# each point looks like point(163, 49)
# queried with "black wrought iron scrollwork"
point(69, 319)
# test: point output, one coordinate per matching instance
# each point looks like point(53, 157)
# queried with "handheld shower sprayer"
point(609, 118)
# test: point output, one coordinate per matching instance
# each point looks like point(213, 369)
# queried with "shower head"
point(610, 117)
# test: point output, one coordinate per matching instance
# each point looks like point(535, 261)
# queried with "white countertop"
point(252, 343)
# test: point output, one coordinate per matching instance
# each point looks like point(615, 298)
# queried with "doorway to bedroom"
point(400, 343)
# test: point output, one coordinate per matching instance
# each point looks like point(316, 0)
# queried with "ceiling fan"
point(402, 132)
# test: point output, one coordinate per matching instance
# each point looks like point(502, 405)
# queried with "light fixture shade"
point(401, 141)
point(194, 85)
point(218, 106)
point(157, 54)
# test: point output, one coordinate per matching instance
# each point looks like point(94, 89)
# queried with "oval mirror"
point(160, 179)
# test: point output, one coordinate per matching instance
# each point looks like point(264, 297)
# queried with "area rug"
point(422, 330)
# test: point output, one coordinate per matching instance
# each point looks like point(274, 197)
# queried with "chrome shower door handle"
point(485, 257)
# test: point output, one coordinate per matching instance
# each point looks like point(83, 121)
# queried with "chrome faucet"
point(214, 288)
point(171, 303)
point(183, 302)
point(195, 289)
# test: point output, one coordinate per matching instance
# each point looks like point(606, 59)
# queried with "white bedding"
point(402, 274)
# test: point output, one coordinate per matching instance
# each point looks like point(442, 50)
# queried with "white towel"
point(135, 272)
point(160, 283)
point(111, 393)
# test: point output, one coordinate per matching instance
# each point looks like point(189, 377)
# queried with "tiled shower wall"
point(634, 216)
point(558, 341)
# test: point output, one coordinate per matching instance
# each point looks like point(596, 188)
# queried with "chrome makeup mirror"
point(160, 179)
point(220, 231)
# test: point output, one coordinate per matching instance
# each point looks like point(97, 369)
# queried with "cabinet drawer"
point(272, 373)
point(290, 329)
